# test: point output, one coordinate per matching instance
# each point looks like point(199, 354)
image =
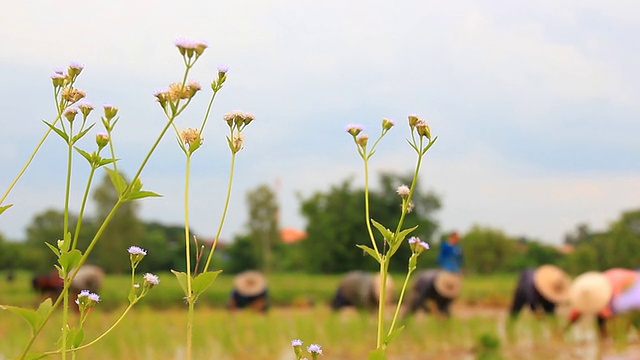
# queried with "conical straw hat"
point(552, 283)
point(590, 292)
point(448, 284)
point(250, 283)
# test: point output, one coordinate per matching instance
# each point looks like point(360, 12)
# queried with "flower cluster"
point(87, 299)
point(313, 349)
point(417, 245)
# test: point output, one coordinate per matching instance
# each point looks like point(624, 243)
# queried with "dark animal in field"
point(439, 286)
point(249, 291)
point(360, 289)
point(48, 284)
point(89, 277)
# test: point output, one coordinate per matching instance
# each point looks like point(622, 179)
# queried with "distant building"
point(291, 235)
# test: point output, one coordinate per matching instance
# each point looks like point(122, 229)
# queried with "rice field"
point(155, 330)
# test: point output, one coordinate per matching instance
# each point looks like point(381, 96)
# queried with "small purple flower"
point(314, 348)
point(135, 250)
point(151, 279)
point(296, 342)
point(417, 245)
point(223, 69)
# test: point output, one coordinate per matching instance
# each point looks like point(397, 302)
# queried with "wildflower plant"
point(71, 124)
point(420, 141)
point(172, 101)
point(313, 349)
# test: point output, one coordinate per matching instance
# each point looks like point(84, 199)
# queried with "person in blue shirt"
point(450, 257)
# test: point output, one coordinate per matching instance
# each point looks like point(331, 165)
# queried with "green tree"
point(486, 250)
point(124, 230)
point(263, 225)
point(336, 223)
point(44, 227)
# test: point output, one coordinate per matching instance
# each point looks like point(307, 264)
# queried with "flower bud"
point(423, 129)
point(413, 119)
point(85, 108)
point(387, 124)
point(58, 79)
point(403, 191)
point(102, 140)
point(74, 69)
point(70, 113)
point(417, 245)
point(193, 87)
point(110, 111)
point(354, 129)
point(362, 140)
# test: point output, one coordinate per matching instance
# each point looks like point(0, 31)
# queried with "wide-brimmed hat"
point(590, 292)
point(250, 283)
point(448, 284)
point(552, 283)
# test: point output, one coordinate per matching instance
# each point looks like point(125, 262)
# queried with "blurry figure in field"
point(605, 295)
point(89, 277)
point(541, 288)
point(361, 290)
point(450, 256)
point(249, 291)
point(439, 286)
point(49, 285)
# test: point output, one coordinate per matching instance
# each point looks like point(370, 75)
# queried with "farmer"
point(541, 288)
point(440, 286)
point(605, 294)
point(249, 291)
point(450, 256)
point(360, 289)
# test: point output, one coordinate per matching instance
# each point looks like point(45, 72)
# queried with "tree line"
point(335, 224)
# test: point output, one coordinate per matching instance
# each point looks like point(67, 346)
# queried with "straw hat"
point(250, 283)
point(448, 284)
point(552, 283)
point(590, 292)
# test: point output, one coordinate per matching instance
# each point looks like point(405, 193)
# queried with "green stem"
point(76, 234)
point(366, 206)
point(400, 299)
point(384, 265)
point(187, 243)
point(190, 316)
point(67, 189)
point(224, 214)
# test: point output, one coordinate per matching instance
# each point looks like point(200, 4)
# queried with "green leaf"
point(134, 195)
point(203, 280)
point(69, 260)
point(55, 250)
point(182, 280)
point(377, 354)
point(78, 337)
point(58, 131)
point(104, 161)
point(393, 334)
point(117, 180)
point(401, 236)
point(31, 316)
point(5, 207)
point(84, 154)
point(230, 142)
point(43, 310)
point(370, 251)
point(386, 233)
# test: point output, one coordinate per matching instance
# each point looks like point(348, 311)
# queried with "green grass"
point(156, 328)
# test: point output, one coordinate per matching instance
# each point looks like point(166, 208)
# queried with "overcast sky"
point(535, 103)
